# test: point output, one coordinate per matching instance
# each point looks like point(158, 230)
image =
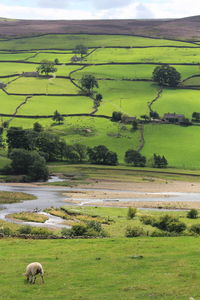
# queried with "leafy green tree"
point(37, 127)
point(88, 82)
point(166, 75)
point(17, 137)
point(29, 163)
point(135, 158)
point(134, 125)
point(116, 116)
point(81, 49)
point(51, 145)
point(102, 155)
point(159, 162)
point(192, 214)
point(58, 118)
point(56, 61)
point(46, 67)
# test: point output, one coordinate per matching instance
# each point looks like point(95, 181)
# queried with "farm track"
point(142, 140)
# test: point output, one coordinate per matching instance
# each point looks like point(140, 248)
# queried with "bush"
point(195, 228)
point(134, 232)
point(25, 229)
point(94, 225)
point(78, 230)
point(66, 232)
point(131, 212)
point(147, 220)
point(192, 214)
point(41, 232)
point(170, 224)
point(6, 231)
point(161, 233)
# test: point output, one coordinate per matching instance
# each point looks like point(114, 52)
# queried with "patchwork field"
point(125, 87)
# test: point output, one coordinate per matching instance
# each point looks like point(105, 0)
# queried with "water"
point(53, 196)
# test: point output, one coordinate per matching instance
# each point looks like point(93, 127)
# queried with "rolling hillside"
point(123, 65)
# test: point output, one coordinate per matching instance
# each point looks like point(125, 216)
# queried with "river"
point(53, 196)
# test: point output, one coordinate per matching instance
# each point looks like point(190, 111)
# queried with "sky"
point(98, 9)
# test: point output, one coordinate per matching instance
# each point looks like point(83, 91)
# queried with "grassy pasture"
point(9, 103)
point(128, 97)
point(42, 85)
point(103, 132)
point(179, 144)
point(178, 101)
point(70, 41)
point(44, 105)
point(14, 197)
point(15, 56)
point(131, 71)
point(103, 269)
point(16, 68)
point(151, 55)
point(63, 58)
point(192, 81)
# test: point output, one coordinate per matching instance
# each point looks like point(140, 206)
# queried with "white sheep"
point(32, 270)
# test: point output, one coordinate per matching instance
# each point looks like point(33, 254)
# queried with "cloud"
point(53, 3)
point(106, 4)
point(143, 12)
point(99, 9)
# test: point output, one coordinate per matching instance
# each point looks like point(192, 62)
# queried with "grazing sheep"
point(32, 270)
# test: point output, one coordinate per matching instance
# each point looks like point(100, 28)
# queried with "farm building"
point(173, 117)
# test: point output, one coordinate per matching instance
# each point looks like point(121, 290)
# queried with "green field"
point(103, 269)
point(151, 55)
point(121, 93)
point(68, 41)
point(42, 85)
point(178, 101)
point(179, 144)
point(131, 98)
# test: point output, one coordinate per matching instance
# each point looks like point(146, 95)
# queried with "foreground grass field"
point(103, 269)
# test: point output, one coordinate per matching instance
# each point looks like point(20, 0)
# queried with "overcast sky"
point(98, 9)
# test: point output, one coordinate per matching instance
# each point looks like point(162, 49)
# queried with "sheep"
point(32, 270)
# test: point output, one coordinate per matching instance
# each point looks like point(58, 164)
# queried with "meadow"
point(103, 268)
point(125, 87)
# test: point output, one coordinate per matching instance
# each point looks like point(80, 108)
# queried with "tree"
point(102, 155)
point(154, 115)
point(58, 118)
point(37, 127)
point(133, 157)
point(116, 116)
point(76, 153)
point(166, 75)
point(18, 137)
point(134, 125)
point(192, 214)
point(88, 82)
point(81, 49)
point(29, 163)
point(159, 162)
point(56, 61)
point(46, 67)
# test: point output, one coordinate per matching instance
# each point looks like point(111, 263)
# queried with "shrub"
point(78, 230)
point(5, 231)
point(192, 214)
point(25, 229)
point(170, 224)
point(94, 225)
point(161, 233)
point(66, 232)
point(147, 220)
point(131, 212)
point(195, 228)
point(41, 232)
point(134, 231)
